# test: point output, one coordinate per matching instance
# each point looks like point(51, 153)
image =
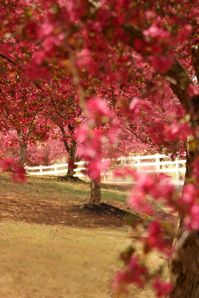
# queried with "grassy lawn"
point(52, 189)
point(39, 261)
point(53, 261)
point(59, 259)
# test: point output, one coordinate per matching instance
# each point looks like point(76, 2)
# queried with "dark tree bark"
point(185, 263)
point(70, 149)
point(185, 267)
point(95, 197)
point(64, 138)
point(23, 153)
point(72, 158)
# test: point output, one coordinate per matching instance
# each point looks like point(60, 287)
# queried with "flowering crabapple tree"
point(21, 107)
point(63, 110)
point(46, 152)
point(152, 46)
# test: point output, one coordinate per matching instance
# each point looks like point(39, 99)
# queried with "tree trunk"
point(185, 263)
point(70, 149)
point(71, 161)
point(185, 267)
point(95, 197)
point(23, 153)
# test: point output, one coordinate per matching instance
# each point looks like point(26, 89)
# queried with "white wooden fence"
point(158, 163)
point(57, 170)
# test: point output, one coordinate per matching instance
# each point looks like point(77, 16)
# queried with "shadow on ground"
point(44, 212)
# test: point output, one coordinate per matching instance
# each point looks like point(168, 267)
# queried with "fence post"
point(41, 169)
point(55, 169)
point(177, 168)
point(138, 162)
point(26, 169)
point(104, 176)
point(157, 160)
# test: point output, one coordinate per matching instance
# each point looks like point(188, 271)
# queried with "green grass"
point(52, 189)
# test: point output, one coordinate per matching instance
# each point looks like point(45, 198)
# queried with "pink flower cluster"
point(155, 239)
point(10, 165)
point(98, 110)
point(137, 273)
point(162, 288)
point(90, 136)
point(152, 186)
point(177, 131)
point(158, 188)
point(134, 273)
point(138, 105)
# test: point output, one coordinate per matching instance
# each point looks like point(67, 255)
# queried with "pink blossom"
point(45, 30)
point(177, 131)
point(162, 288)
point(50, 42)
point(84, 58)
point(96, 167)
point(155, 237)
point(90, 149)
point(145, 182)
point(6, 164)
point(140, 45)
point(35, 71)
point(156, 32)
point(163, 188)
point(193, 90)
point(113, 132)
point(192, 220)
point(189, 196)
point(81, 133)
point(94, 170)
point(39, 57)
point(135, 273)
point(85, 61)
point(184, 33)
point(123, 172)
point(138, 105)
point(98, 109)
point(156, 186)
point(138, 203)
point(161, 63)
point(10, 165)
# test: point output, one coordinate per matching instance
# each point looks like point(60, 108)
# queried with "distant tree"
point(20, 108)
point(65, 112)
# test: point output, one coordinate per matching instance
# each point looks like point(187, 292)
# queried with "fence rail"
point(157, 163)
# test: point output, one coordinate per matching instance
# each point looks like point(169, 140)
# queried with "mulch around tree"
point(51, 213)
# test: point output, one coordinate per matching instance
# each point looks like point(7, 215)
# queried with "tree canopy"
point(97, 68)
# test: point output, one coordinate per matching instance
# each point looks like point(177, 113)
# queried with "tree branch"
point(138, 137)
point(195, 59)
point(179, 83)
point(177, 76)
point(7, 58)
point(64, 138)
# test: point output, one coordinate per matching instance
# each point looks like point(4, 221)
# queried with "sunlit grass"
point(53, 261)
point(41, 261)
point(52, 189)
